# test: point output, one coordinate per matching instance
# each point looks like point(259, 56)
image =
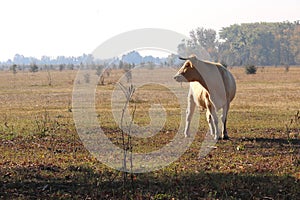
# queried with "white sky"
point(71, 28)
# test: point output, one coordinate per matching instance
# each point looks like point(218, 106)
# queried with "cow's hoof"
point(225, 137)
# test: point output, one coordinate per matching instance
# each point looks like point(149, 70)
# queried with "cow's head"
point(187, 73)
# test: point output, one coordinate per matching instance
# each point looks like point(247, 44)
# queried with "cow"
point(212, 87)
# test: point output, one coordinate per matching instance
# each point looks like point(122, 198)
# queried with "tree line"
point(263, 44)
point(247, 44)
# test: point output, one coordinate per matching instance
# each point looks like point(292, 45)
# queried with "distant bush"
point(13, 68)
point(34, 68)
point(86, 78)
point(61, 67)
point(250, 69)
point(286, 68)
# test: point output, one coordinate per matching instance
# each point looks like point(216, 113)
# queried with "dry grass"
point(42, 156)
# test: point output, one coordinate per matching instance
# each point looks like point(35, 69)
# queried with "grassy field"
point(42, 156)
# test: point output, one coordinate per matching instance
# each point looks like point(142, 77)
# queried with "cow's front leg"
point(189, 114)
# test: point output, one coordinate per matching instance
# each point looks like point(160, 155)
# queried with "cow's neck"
point(211, 79)
point(201, 80)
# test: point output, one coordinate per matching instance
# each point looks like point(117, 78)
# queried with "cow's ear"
point(189, 64)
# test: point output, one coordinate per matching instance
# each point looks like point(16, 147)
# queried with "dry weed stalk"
point(127, 144)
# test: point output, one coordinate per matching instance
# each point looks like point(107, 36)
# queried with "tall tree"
point(260, 43)
point(202, 43)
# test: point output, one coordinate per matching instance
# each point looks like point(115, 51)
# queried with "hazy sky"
point(61, 27)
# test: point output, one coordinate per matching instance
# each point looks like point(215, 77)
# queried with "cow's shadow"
point(278, 141)
point(88, 183)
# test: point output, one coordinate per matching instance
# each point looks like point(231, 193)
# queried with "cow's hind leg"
point(224, 135)
point(212, 120)
point(210, 124)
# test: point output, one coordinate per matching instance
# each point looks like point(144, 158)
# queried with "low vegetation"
point(42, 157)
point(250, 69)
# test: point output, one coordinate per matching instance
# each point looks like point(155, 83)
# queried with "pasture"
point(42, 156)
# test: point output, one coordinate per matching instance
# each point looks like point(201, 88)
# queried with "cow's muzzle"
point(180, 78)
